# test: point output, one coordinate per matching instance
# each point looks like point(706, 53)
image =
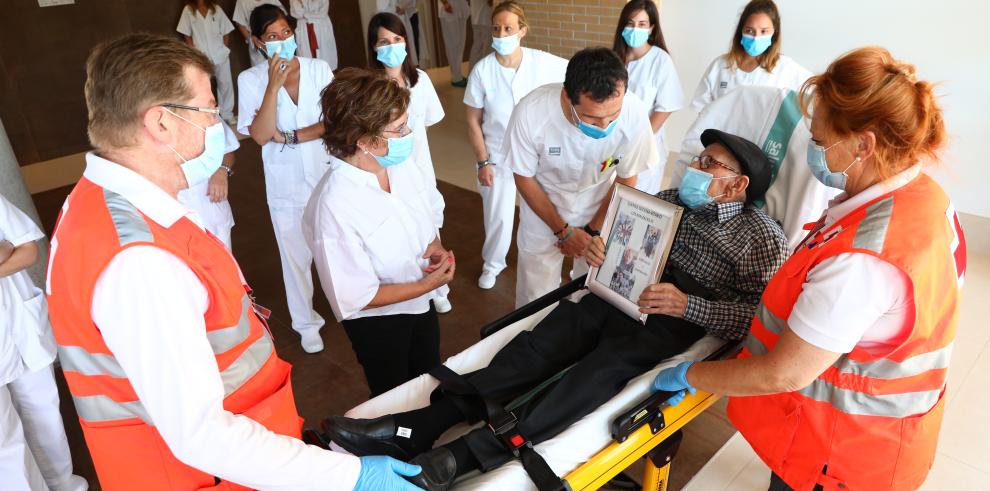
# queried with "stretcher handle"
point(649, 410)
point(533, 307)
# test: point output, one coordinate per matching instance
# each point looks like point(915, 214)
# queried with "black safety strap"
point(540, 472)
point(505, 427)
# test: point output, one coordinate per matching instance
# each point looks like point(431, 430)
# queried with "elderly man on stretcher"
point(725, 251)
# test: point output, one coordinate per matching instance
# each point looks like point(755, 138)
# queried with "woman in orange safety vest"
point(841, 383)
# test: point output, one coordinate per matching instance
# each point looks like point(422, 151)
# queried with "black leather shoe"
point(365, 436)
point(313, 437)
point(439, 469)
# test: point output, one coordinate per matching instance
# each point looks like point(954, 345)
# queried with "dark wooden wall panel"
point(43, 55)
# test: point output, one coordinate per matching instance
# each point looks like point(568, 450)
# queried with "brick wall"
point(563, 27)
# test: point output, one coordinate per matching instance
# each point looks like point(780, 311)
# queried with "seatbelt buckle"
point(505, 429)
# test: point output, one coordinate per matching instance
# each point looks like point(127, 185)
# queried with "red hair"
point(868, 90)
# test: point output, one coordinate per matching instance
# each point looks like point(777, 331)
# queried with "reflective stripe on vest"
point(222, 340)
point(856, 402)
point(103, 408)
point(99, 408)
point(127, 221)
point(872, 230)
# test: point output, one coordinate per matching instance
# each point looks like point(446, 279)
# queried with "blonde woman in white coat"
point(497, 82)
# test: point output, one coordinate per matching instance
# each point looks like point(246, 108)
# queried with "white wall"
point(946, 40)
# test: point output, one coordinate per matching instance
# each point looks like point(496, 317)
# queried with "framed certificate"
point(638, 231)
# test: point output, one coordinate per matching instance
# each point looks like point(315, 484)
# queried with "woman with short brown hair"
point(841, 384)
point(372, 225)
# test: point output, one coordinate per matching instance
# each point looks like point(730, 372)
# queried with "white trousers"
point(538, 271)
point(225, 89)
point(454, 36)
point(498, 206)
point(297, 263)
point(481, 44)
point(34, 451)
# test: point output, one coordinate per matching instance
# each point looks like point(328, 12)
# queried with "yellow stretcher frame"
point(659, 448)
point(616, 457)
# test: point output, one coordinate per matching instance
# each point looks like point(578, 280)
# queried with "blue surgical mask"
point(635, 37)
point(507, 45)
point(819, 167)
point(693, 190)
point(391, 55)
point(756, 45)
point(592, 130)
point(199, 169)
point(399, 150)
point(286, 49)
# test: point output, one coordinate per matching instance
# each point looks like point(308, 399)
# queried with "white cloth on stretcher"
point(563, 453)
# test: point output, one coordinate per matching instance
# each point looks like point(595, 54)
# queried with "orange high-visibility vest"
point(872, 419)
point(128, 452)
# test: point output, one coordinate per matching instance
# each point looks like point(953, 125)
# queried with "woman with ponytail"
point(841, 382)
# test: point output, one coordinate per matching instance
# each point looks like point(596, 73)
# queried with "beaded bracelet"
point(561, 240)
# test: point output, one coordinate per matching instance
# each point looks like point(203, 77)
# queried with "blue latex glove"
point(380, 473)
point(674, 379)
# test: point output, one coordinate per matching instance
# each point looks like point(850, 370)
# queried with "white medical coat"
point(497, 89)
point(540, 142)
point(243, 9)
point(424, 110)
point(720, 78)
point(363, 237)
point(26, 341)
point(316, 12)
point(291, 171)
point(207, 32)
point(461, 10)
point(654, 79)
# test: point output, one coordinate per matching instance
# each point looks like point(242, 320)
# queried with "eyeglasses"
point(209, 110)
point(401, 131)
point(707, 161)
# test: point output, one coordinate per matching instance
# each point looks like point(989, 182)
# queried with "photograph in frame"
point(638, 232)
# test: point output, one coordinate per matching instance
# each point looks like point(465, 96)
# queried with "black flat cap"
point(755, 163)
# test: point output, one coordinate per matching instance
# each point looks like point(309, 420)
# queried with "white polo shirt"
point(855, 299)
point(720, 78)
point(575, 170)
point(497, 89)
point(654, 79)
point(363, 237)
point(291, 171)
point(207, 31)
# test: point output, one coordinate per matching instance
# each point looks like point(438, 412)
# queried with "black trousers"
point(395, 348)
point(608, 349)
point(778, 484)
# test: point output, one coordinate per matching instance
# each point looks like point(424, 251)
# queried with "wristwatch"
point(483, 163)
point(227, 168)
point(590, 231)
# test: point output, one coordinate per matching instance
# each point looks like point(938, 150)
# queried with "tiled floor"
point(331, 382)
